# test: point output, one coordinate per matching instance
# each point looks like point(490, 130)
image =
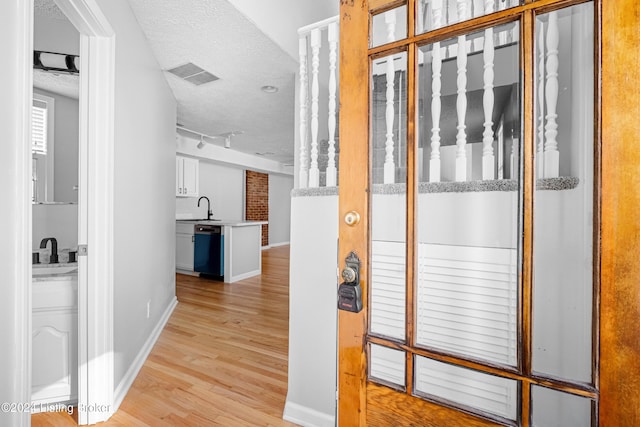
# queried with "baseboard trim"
point(307, 417)
point(132, 372)
point(243, 276)
point(275, 245)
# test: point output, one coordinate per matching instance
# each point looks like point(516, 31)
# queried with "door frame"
point(95, 210)
point(618, 270)
point(95, 205)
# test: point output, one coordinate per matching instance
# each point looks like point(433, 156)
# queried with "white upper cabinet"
point(186, 177)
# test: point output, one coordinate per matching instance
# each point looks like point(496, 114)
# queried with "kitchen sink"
point(199, 220)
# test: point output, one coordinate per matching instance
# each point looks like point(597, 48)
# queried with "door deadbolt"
point(350, 291)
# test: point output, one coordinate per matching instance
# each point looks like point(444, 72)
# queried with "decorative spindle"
point(488, 159)
point(333, 45)
point(513, 165)
point(436, 102)
point(389, 166)
point(316, 42)
point(461, 102)
point(540, 145)
point(551, 155)
point(503, 35)
point(303, 167)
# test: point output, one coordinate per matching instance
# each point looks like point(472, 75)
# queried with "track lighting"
point(201, 143)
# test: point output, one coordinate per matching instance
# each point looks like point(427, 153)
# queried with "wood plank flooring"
point(221, 359)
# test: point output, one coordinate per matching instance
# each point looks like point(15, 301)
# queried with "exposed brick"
point(257, 200)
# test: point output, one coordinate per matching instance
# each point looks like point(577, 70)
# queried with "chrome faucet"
point(53, 259)
point(209, 213)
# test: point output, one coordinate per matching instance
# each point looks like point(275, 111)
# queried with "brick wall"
point(257, 201)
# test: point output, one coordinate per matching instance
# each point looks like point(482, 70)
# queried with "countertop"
point(230, 223)
point(64, 274)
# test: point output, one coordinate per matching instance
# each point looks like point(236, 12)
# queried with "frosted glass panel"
point(467, 301)
point(389, 26)
point(563, 221)
point(388, 196)
point(552, 408)
point(487, 393)
point(387, 365)
point(388, 287)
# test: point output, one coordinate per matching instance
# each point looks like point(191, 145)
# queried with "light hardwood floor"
point(221, 359)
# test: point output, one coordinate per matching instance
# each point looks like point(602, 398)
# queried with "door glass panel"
point(387, 365)
point(389, 26)
point(563, 210)
point(388, 199)
point(551, 408)
point(433, 14)
point(468, 196)
point(486, 393)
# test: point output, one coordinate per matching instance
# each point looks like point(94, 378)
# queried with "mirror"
point(55, 112)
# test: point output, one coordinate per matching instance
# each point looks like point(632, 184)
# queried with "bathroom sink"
point(51, 270)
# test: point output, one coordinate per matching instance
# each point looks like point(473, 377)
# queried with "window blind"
point(39, 127)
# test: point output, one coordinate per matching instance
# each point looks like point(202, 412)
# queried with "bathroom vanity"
point(55, 334)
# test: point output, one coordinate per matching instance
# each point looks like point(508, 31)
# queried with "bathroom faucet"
point(209, 213)
point(53, 259)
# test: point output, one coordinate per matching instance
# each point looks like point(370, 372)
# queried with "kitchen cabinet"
point(184, 247)
point(187, 177)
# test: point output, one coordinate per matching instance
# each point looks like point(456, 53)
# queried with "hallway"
point(221, 359)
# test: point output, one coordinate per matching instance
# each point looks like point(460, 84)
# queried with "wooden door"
point(394, 176)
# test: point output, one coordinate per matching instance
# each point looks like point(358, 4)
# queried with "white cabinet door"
point(190, 177)
point(187, 177)
point(184, 251)
point(55, 359)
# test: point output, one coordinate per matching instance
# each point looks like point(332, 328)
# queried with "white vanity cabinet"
point(185, 243)
point(187, 177)
point(55, 340)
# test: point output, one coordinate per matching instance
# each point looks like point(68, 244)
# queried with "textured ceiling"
point(48, 8)
point(215, 36)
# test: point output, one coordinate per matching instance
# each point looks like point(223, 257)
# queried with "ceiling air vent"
point(193, 74)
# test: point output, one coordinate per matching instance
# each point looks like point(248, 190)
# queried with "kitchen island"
point(240, 246)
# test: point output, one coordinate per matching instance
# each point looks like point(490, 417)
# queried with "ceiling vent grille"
point(193, 74)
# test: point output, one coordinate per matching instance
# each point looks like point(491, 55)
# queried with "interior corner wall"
point(280, 187)
point(144, 207)
point(257, 200)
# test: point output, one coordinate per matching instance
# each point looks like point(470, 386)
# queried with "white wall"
point(55, 35)
point(223, 185)
point(311, 397)
point(15, 215)
point(59, 221)
point(144, 208)
point(280, 187)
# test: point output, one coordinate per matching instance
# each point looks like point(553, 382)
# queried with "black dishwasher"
point(208, 256)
